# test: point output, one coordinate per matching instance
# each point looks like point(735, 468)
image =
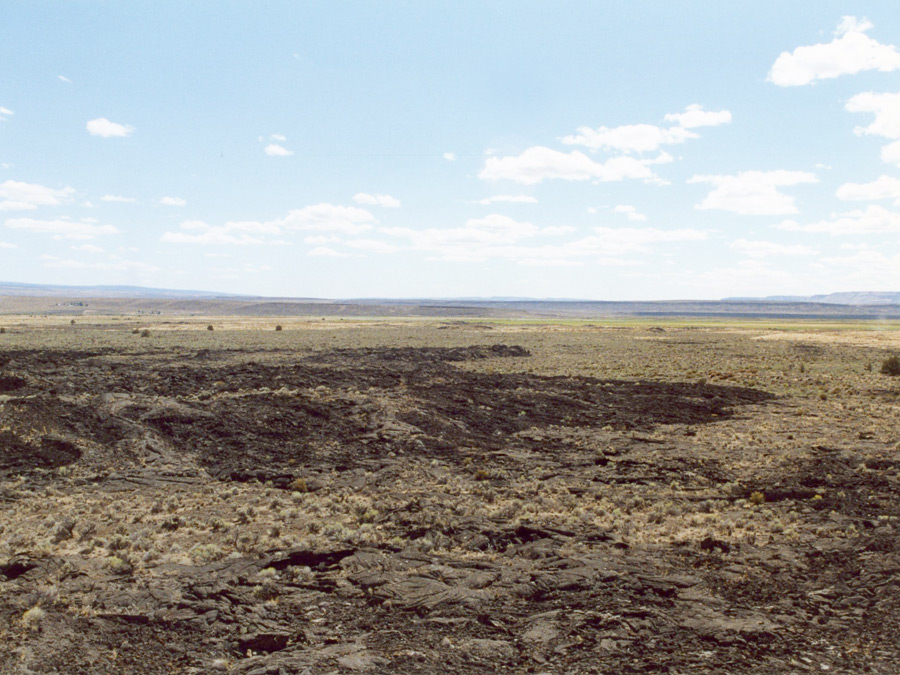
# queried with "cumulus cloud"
point(695, 116)
point(275, 150)
point(629, 138)
point(376, 200)
point(872, 220)
point(764, 249)
point(118, 198)
point(449, 156)
point(509, 199)
point(5, 113)
point(173, 201)
point(86, 228)
point(850, 52)
point(752, 192)
point(18, 196)
point(325, 218)
point(106, 129)
point(885, 107)
point(540, 163)
point(884, 187)
point(629, 212)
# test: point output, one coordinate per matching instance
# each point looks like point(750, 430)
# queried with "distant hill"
point(843, 298)
point(50, 290)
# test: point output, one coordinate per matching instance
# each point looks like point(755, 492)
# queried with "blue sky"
point(620, 151)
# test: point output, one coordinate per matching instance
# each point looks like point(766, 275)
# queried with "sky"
point(348, 149)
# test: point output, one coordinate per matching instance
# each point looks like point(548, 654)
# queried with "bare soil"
point(463, 498)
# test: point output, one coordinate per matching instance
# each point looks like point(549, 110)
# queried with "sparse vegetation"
point(891, 366)
point(254, 489)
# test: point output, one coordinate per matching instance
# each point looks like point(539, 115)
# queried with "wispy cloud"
point(629, 212)
point(104, 128)
point(325, 218)
point(173, 201)
point(376, 200)
point(874, 219)
point(695, 116)
point(765, 249)
point(19, 196)
point(118, 198)
point(114, 264)
point(540, 163)
point(63, 78)
point(5, 113)
point(61, 228)
point(508, 199)
point(850, 52)
point(449, 156)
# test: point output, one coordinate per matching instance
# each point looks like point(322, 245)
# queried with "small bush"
point(209, 327)
point(145, 333)
point(757, 498)
point(891, 366)
point(2, 330)
point(278, 327)
point(32, 618)
point(72, 322)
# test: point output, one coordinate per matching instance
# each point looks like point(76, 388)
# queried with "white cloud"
point(374, 245)
point(541, 163)
point(500, 237)
point(5, 113)
point(275, 150)
point(173, 201)
point(884, 187)
point(321, 239)
point(115, 264)
point(86, 228)
point(327, 218)
point(629, 138)
point(511, 199)
point(764, 249)
point(695, 116)
point(118, 198)
point(239, 233)
point(885, 107)
point(890, 153)
point(278, 137)
point(866, 269)
point(449, 156)
point(376, 200)
point(18, 196)
point(629, 211)
point(325, 252)
point(752, 192)
point(874, 219)
point(87, 248)
point(6, 244)
point(106, 129)
point(851, 51)
point(63, 78)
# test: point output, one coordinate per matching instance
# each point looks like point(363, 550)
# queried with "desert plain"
point(210, 494)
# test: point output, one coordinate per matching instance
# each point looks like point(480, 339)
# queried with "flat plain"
point(438, 495)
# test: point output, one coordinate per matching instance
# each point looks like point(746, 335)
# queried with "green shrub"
point(891, 366)
point(210, 327)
